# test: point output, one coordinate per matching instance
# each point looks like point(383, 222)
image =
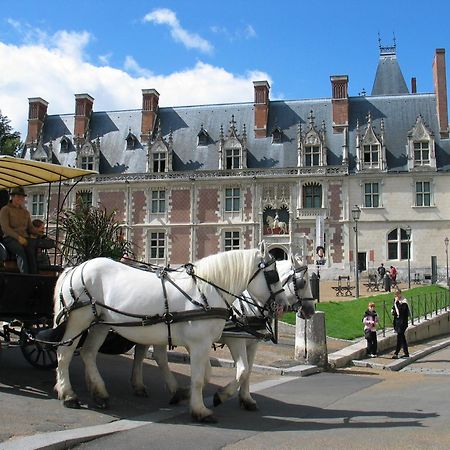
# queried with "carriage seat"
point(7, 259)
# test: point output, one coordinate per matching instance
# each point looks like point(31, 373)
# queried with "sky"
point(205, 52)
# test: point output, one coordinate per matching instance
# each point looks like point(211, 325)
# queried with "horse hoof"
point(72, 403)
point(217, 400)
point(101, 403)
point(180, 395)
point(205, 419)
point(248, 406)
point(141, 392)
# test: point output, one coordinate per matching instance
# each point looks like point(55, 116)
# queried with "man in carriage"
point(16, 226)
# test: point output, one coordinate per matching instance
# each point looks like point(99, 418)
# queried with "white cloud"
point(167, 17)
point(248, 32)
point(58, 69)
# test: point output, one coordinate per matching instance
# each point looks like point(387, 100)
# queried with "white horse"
point(187, 308)
point(275, 223)
point(242, 344)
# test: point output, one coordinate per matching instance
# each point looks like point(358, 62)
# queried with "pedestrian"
point(15, 222)
point(381, 271)
point(370, 321)
point(400, 311)
point(393, 275)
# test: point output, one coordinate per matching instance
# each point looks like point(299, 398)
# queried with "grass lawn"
point(343, 320)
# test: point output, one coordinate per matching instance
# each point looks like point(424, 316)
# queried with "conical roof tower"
point(389, 78)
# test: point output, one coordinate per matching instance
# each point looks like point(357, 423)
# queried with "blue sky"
point(197, 52)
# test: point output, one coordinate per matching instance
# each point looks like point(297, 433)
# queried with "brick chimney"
point(83, 110)
point(37, 112)
point(339, 102)
point(150, 106)
point(413, 85)
point(440, 89)
point(261, 108)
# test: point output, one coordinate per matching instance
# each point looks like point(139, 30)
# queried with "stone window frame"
point(231, 235)
point(304, 194)
point(233, 197)
point(420, 133)
point(158, 201)
point(423, 193)
point(401, 244)
point(364, 194)
point(159, 238)
point(38, 206)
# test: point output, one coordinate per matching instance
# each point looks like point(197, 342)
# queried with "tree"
point(9, 139)
point(90, 232)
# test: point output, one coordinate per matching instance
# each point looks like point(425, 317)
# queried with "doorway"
point(362, 261)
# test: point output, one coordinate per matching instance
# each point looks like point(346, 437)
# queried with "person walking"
point(370, 321)
point(381, 272)
point(400, 311)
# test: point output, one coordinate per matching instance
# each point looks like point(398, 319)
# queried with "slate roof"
point(389, 78)
point(389, 101)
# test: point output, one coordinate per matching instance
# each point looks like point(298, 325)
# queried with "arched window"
point(397, 241)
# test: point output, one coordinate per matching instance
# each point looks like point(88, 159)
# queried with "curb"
point(399, 364)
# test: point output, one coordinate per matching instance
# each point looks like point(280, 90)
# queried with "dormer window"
point(421, 153)
point(202, 137)
point(370, 149)
point(88, 155)
point(233, 148)
point(87, 162)
point(160, 154)
point(131, 140)
point(371, 156)
point(65, 144)
point(312, 155)
point(421, 147)
point(312, 149)
point(277, 136)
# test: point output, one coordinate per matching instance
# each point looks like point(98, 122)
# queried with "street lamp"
point(446, 257)
point(408, 236)
point(356, 214)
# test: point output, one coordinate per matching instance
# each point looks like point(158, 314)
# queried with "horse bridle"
point(271, 277)
point(298, 283)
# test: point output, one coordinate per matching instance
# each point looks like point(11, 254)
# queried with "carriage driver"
point(15, 221)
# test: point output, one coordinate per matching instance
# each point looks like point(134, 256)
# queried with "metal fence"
point(421, 307)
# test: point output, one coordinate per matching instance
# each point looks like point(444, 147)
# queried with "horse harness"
point(163, 273)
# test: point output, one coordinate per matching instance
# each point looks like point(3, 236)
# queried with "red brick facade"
point(180, 239)
point(207, 205)
point(180, 206)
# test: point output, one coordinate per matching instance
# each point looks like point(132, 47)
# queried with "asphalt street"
point(349, 409)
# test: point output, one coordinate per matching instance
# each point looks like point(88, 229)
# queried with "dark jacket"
point(400, 319)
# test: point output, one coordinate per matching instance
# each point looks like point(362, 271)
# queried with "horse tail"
point(58, 303)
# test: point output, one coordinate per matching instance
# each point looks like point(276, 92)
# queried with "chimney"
point(261, 108)
point(150, 106)
point(440, 90)
point(339, 102)
point(83, 110)
point(413, 85)
point(37, 112)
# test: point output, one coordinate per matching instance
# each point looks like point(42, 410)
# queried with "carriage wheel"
point(38, 355)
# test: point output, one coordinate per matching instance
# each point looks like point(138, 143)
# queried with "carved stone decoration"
point(312, 149)
point(370, 148)
point(232, 148)
point(160, 152)
point(420, 147)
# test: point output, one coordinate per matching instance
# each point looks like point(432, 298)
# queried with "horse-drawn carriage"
point(26, 301)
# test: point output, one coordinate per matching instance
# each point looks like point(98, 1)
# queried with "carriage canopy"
point(22, 172)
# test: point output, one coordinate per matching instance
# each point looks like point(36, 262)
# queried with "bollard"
point(311, 340)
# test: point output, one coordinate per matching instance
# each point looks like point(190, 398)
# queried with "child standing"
point(370, 321)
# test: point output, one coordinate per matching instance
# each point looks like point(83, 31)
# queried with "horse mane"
point(230, 270)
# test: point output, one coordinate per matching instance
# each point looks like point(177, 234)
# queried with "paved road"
point(349, 409)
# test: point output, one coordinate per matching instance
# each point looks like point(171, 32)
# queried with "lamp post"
point(356, 214)
point(446, 259)
point(408, 236)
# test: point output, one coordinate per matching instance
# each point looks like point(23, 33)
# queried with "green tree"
point(9, 140)
point(90, 232)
